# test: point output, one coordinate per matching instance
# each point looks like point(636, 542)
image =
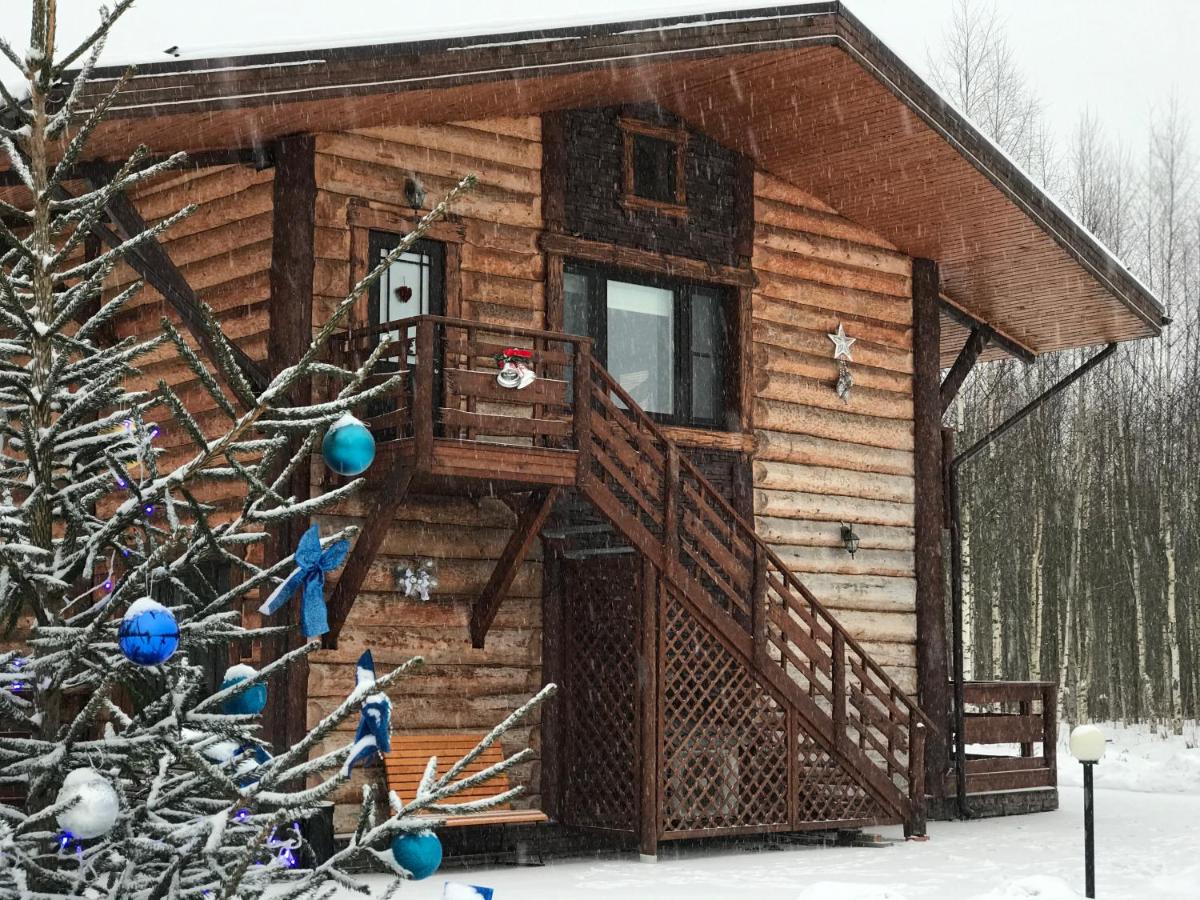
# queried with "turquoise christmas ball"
point(249, 702)
point(419, 853)
point(149, 634)
point(348, 447)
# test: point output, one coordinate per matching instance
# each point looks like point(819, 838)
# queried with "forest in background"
point(1080, 525)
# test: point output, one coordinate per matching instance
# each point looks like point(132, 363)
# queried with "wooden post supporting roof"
point(289, 312)
point(933, 677)
point(528, 527)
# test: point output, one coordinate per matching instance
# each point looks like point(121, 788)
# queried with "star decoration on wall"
point(841, 343)
point(841, 352)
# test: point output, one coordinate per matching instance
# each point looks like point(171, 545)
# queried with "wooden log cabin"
point(673, 218)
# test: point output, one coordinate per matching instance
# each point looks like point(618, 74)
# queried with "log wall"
point(459, 689)
point(819, 460)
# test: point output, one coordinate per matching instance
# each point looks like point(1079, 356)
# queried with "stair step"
point(598, 551)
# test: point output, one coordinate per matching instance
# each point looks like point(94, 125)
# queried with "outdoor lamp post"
point(1087, 746)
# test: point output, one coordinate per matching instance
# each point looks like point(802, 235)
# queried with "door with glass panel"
point(413, 285)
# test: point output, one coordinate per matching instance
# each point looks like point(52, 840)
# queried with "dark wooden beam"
point(389, 494)
point(1005, 342)
point(933, 676)
point(648, 714)
point(529, 526)
point(289, 311)
point(977, 340)
point(152, 262)
point(257, 156)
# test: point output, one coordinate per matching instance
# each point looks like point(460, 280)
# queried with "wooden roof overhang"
point(807, 92)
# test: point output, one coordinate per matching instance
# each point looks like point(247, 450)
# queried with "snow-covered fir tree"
point(138, 782)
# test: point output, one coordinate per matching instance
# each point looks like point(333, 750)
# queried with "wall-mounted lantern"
point(414, 192)
point(850, 539)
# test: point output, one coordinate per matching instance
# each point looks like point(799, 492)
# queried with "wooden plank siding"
point(819, 460)
point(499, 280)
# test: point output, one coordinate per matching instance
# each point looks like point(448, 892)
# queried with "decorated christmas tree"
point(128, 776)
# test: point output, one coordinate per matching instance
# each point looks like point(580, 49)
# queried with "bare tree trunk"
point(1174, 685)
point(968, 595)
point(1069, 683)
point(1036, 600)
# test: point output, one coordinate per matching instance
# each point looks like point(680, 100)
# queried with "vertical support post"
point(1025, 708)
point(1050, 729)
point(932, 671)
point(422, 413)
point(915, 827)
point(553, 671)
point(648, 732)
point(957, 640)
point(290, 317)
point(1089, 833)
point(838, 676)
point(758, 602)
point(581, 385)
point(670, 534)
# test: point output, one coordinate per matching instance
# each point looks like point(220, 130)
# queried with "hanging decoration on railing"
point(374, 735)
point(841, 353)
point(516, 368)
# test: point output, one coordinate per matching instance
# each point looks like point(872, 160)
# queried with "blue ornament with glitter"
point(249, 702)
point(312, 564)
point(148, 634)
point(348, 447)
point(420, 853)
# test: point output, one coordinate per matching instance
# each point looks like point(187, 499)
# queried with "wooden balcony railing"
point(1011, 732)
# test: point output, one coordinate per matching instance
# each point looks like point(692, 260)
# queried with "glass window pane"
point(640, 343)
point(707, 340)
point(654, 173)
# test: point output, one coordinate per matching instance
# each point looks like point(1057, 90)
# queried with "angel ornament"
point(841, 353)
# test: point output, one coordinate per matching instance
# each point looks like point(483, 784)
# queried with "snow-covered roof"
point(768, 82)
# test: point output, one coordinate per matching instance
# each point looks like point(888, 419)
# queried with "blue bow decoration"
point(312, 563)
point(374, 733)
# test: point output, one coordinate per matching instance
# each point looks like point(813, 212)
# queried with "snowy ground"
point(1147, 813)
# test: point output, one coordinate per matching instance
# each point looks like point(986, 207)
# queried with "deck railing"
point(1011, 732)
point(458, 397)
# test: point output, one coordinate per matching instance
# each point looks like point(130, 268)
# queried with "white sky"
point(1117, 57)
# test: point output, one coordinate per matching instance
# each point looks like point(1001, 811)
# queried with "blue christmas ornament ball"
point(249, 702)
point(420, 853)
point(348, 447)
point(149, 634)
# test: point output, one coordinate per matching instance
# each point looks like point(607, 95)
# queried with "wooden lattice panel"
point(600, 678)
point(826, 792)
point(724, 739)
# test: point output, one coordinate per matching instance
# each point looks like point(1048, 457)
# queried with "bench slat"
point(405, 765)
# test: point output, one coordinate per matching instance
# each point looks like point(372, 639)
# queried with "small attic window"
point(654, 167)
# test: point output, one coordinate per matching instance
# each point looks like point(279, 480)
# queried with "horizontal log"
point(487, 512)
point(821, 272)
point(816, 342)
point(835, 454)
point(391, 608)
point(444, 541)
point(822, 367)
point(977, 764)
point(800, 533)
point(836, 251)
point(892, 655)
point(982, 783)
point(814, 221)
point(396, 644)
point(863, 592)
point(1003, 691)
point(825, 508)
point(338, 680)
point(835, 560)
point(488, 288)
point(823, 394)
point(772, 188)
point(788, 476)
point(463, 139)
point(441, 712)
point(483, 384)
point(456, 577)
point(503, 262)
point(795, 312)
point(878, 627)
point(796, 418)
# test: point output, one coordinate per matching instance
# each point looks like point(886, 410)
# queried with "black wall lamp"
point(850, 539)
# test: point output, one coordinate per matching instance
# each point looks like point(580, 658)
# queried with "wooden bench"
point(410, 754)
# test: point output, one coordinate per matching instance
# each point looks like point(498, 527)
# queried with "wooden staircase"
point(844, 727)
